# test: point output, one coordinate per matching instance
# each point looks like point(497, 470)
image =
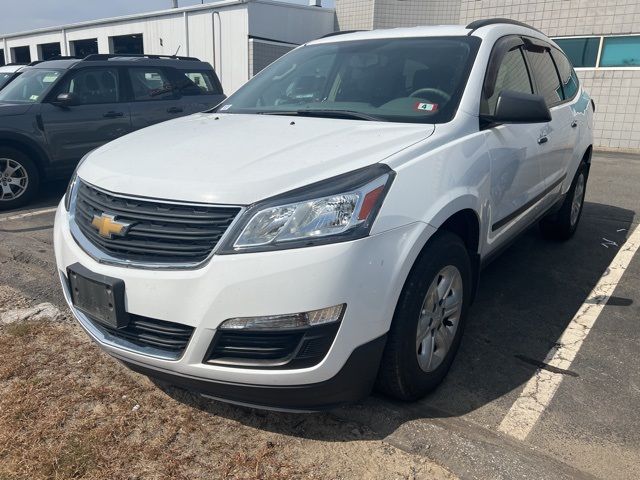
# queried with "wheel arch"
point(28, 147)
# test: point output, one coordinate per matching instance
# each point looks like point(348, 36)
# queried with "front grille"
point(159, 232)
point(168, 337)
point(296, 348)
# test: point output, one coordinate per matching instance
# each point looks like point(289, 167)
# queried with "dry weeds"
point(69, 411)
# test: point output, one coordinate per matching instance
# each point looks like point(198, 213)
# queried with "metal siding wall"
point(302, 24)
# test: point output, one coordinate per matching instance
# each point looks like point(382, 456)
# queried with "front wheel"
point(429, 320)
point(19, 179)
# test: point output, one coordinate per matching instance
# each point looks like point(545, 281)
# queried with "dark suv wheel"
point(19, 178)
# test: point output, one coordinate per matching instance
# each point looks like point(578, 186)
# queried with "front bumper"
point(367, 275)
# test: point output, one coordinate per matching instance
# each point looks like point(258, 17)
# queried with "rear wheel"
point(563, 224)
point(429, 320)
point(19, 179)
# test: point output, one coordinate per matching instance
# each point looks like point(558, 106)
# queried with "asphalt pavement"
point(589, 428)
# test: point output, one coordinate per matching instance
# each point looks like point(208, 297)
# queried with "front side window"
point(568, 76)
point(398, 80)
point(621, 52)
point(512, 75)
point(583, 52)
point(150, 84)
point(544, 71)
point(93, 86)
point(31, 86)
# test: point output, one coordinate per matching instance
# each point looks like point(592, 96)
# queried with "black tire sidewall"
point(32, 172)
point(445, 249)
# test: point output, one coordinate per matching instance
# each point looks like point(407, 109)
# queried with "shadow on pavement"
point(49, 196)
point(526, 299)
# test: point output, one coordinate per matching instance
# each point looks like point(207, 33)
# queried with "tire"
point(563, 224)
point(15, 166)
point(405, 371)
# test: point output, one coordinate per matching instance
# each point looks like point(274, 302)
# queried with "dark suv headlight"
point(339, 209)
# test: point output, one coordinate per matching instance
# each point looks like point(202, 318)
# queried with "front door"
point(98, 116)
point(517, 184)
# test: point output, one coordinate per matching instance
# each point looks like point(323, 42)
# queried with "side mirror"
point(66, 100)
point(517, 107)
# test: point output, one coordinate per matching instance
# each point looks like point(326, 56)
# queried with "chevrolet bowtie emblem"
point(107, 226)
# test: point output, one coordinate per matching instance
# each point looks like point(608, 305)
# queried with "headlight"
point(72, 183)
point(339, 209)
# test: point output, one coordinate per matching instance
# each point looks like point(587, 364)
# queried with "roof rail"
point(476, 24)
point(57, 57)
point(106, 56)
point(342, 32)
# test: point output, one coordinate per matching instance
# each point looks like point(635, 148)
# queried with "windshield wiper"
point(325, 113)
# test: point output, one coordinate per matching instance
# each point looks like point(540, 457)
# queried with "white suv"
point(323, 229)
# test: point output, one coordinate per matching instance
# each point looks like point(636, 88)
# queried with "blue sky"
point(20, 15)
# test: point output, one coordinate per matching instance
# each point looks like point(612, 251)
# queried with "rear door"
point(199, 89)
point(558, 135)
point(517, 184)
point(100, 115)
point(154, 96)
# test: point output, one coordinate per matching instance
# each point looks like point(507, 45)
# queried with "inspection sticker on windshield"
point(426, 107)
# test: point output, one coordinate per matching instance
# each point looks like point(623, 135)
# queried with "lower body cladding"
point(172, 329)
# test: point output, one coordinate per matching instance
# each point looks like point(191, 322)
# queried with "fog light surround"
point(287, 321)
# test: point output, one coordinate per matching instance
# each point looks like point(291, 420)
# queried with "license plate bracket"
point(99, 297)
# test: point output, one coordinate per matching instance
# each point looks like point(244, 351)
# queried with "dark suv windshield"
point(30, 87)
point(398, 80)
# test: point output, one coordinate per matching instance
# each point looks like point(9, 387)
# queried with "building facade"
point(237, 37)
point(601, 37)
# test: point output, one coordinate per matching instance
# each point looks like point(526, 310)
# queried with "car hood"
point(240, 159)
point(9, 109)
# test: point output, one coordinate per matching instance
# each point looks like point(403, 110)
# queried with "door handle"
point(175, 110)
point(113, 115)
point(542, 140)
point(574, 124)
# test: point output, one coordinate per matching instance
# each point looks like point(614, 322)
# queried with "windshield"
point(30, 86)
point(397, 80)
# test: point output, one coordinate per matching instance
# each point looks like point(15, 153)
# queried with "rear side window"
point(544, 71)
point(512, 75)
point(150, 84)
point(568, 76)
point(93, 86)
point(198, 83)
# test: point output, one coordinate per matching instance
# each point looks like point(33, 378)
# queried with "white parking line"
point(28, 214)
point(540, 389)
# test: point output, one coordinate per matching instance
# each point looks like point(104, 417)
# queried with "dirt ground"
point(67, 410)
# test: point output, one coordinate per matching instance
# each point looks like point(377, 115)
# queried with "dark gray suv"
point(57, 111)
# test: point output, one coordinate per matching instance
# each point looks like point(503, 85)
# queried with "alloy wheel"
point(14, 179)
point(578, 198)
point(439, 318)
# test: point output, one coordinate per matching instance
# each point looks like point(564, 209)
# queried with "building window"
point(620, 52)
point(47, 51)
point(20, 55)
point(1, 57)
point(583, 52)
point(127, 44)
point(83, 48)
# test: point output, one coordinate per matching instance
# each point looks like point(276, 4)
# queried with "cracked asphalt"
point(527, 298)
